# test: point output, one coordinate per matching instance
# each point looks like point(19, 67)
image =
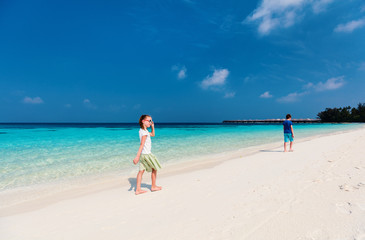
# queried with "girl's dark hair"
point(288, 116)
point(143, 117)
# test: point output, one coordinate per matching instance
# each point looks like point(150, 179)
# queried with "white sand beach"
point(315, 192)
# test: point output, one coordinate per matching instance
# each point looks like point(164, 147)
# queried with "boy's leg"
point(154, 187)
point(139, 181)
point(291, 139)
point(285, 147)
point(291, 146)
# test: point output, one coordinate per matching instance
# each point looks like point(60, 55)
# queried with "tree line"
point(345, 114)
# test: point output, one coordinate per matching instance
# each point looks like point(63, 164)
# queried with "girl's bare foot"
point(156, 188)
point(140, 192)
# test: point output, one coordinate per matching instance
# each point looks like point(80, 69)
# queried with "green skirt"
point(148, 162)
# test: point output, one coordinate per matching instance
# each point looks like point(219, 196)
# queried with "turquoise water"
point(32, 154)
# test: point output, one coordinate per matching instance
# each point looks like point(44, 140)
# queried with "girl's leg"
point(139, 181)
point(154, 187)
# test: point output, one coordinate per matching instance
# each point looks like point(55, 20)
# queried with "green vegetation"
point(345, 114)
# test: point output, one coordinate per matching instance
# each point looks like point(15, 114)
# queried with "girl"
point(148, 161)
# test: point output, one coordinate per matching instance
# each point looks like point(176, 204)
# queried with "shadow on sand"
point(271, 151)
point(133, 183)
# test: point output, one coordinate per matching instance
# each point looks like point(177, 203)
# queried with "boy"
point(288, 132)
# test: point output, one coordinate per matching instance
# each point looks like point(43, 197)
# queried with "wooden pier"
point(307, 120)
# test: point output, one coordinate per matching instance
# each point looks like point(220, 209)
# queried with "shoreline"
point(315, 192)
point(95, 184)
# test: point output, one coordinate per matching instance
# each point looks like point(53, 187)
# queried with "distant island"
point(345, 114)
point(330, 115)
point(278, 120)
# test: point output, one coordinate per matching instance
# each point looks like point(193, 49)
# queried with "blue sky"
point(179, 61)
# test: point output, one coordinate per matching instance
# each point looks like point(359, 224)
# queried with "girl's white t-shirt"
point(147, 144)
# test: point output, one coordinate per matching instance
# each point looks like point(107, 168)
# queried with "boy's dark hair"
point(288, 116)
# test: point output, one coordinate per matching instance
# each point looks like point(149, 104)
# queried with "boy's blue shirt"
point(287, 125)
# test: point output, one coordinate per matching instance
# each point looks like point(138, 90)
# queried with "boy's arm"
point(143, 140)
point(292, 130)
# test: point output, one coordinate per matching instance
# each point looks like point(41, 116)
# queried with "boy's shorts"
point(288, 137)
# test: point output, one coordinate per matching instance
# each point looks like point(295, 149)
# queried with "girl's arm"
point(153, 129)
point(143, 140)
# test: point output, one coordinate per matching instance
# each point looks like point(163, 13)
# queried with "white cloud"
point(292, 97)
point(182, 74)
point(350, 26)
point(229, 94)
point(308, 86)
point(247, 79)
point(266, 95)
point(89, 105)
point(250, 79)
point(271, 14)
point(181, 71)
point(35, 100)
point(217, 79)
point(330, 84)
point(320, 6)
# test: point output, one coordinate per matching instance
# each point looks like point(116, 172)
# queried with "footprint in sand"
point(344, 208)
point(346, 188)
point(349, 188)
point(360, 237)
